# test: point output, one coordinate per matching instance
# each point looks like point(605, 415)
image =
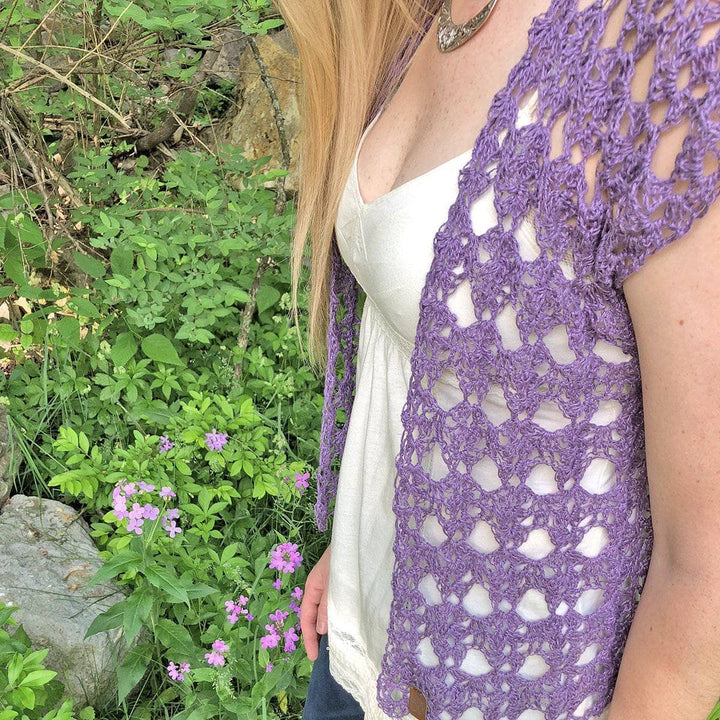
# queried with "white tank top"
point(388, 245)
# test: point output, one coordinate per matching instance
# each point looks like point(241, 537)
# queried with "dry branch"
point(281, 200)
point(171, 124)
point(30, 144)
point(279, 123)
point(66, 81)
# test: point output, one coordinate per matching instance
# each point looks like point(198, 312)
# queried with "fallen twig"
point(66, 81)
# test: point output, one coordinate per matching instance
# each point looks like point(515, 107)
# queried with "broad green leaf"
point(132, 670)
point(158, 348)
point(69, 329)
point(123, 349)
point(90, 265)
point(14, 669)
point(175, 637)
point(267, 297)
point(13, 262)
point(204, 711)
point(37, 678)
point(24, 697)
point(121, 261)
point(138, 607)
point(199, 590)
point(84, 307)
point(167, 581)
point(109, 620)
point(7, 332)
point(119, 564)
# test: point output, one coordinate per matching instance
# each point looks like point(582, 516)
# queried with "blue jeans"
point(326, 698)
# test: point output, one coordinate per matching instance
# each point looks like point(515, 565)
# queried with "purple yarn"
point(588, 244)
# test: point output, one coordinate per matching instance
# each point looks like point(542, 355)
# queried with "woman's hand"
point(313, 609)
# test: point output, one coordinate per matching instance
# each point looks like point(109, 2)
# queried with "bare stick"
point(249, 309)
point(279, 122)
point(66, 81)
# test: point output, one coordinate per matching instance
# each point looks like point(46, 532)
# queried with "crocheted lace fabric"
point(501, 599)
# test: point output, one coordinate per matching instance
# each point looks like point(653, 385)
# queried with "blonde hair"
point(352, 53)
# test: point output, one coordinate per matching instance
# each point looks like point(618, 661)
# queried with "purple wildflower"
point(291, 638)
point(297, 593)
point(285, 558)
point(166, 492)
point(145, 486)
point(294, 607)
point(165, 444)
point(269, 641)
point(269, 667)
point(150, 512)
point(272, 638)
point(214, 658)
point(235, 609)
point(220, 646)
point(277, 584)
point(301, 481)
point(278, 617)
point(119, 503)
point(215, 440)
point(173, 529)
point(176, 673)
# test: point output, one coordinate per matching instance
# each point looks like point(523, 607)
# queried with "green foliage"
point(127, 293)
point(161, 314)
point(207, 545)
point(28, 691)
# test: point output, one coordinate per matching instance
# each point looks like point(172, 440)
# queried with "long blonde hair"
point(351, 54)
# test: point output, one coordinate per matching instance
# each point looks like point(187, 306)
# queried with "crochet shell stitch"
point(510, 616)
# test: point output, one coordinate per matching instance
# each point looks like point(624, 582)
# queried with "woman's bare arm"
point(671, 665)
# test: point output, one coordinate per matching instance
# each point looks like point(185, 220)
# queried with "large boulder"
point(48, 557)
point(251, 126)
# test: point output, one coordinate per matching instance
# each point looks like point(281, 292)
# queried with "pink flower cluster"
point(285, 558)
point(139, 512)
point(177, 672)
point(296, 594)
point(215, 440)
point(217, 656)
point(272, 639)
point(301, 482)
point(277, 631)
point(237, 608)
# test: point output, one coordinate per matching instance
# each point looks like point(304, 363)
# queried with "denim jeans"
point(326, 698)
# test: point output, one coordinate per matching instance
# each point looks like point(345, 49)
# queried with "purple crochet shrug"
point(599, 207)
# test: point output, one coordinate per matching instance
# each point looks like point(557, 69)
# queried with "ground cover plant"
point(152, 375)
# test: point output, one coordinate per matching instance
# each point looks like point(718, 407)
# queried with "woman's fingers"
point(308, 615)
point(313, 609)
point(322, 624)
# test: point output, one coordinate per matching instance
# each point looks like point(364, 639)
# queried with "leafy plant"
point(146, 307)
point(192, 531)
point(28, 690)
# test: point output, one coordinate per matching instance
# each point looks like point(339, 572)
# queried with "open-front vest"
point(548, 493)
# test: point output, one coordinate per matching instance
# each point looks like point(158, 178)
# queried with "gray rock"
point(48, 557)
point(223, 61)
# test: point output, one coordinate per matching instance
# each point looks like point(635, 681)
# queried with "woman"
point(529, 256)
